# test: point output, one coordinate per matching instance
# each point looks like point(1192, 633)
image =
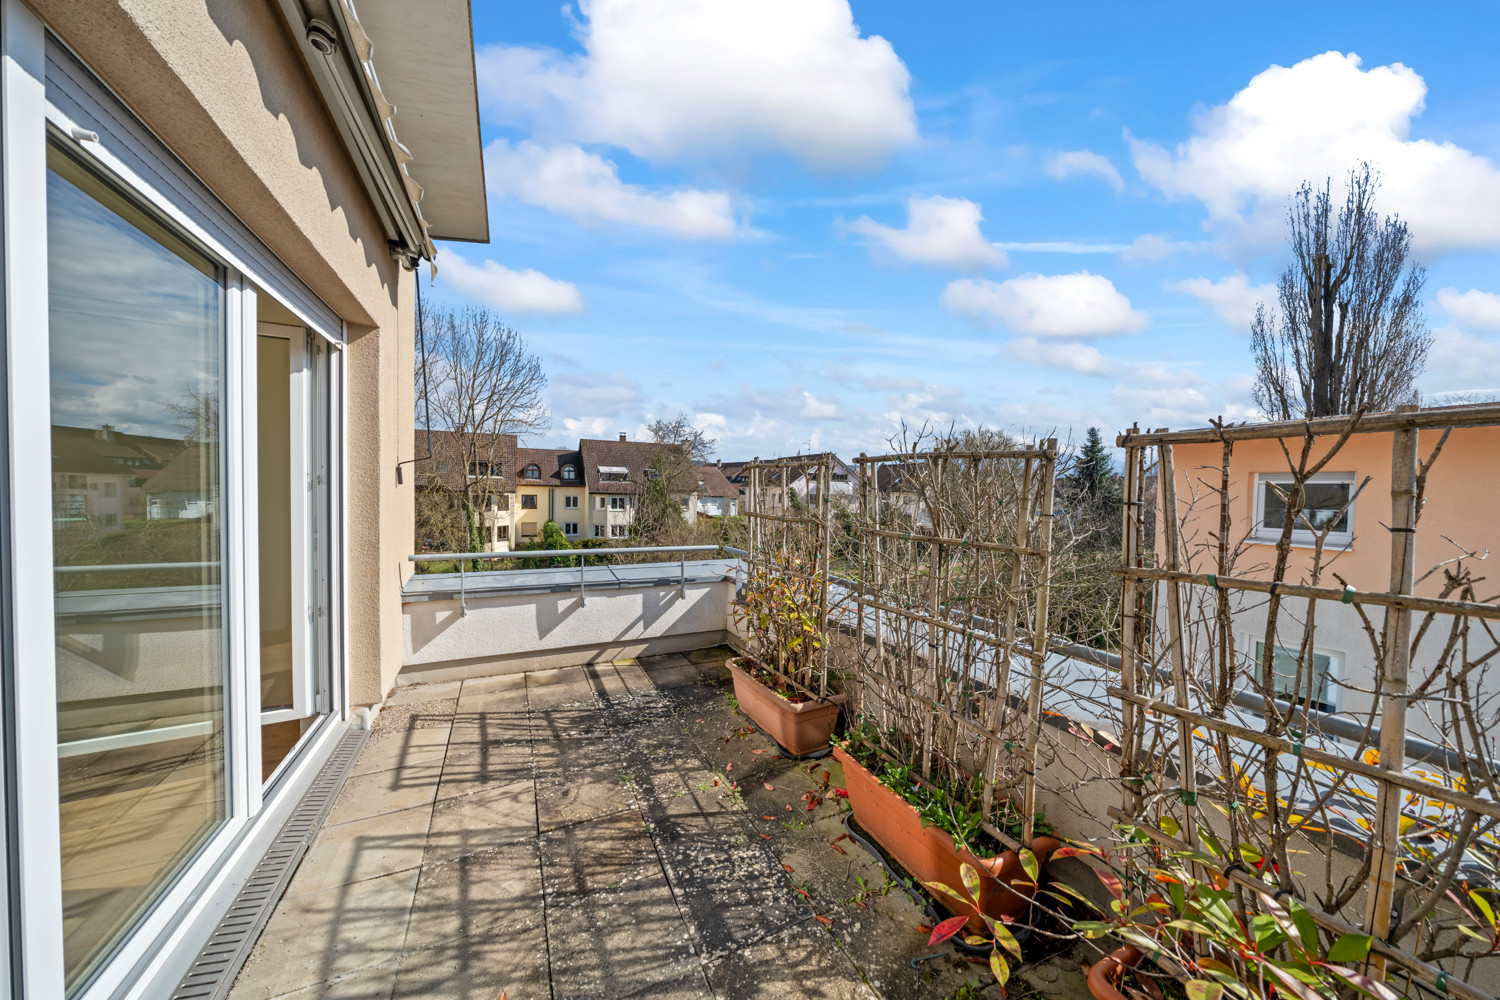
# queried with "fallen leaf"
point(836, 847)
point(762, 750)
point(729, 766)
point(803, 891)
point(765, 836)
point(825, 921)
point(788, 867)
point(788, 807)
point(769, 787)
point(768, 817)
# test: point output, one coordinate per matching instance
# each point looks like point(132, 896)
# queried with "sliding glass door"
point(137, 333)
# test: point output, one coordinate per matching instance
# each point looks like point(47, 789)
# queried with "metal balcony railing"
point(462, 558)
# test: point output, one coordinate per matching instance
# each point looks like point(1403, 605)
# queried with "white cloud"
point(673, 78)
point(1152, 247)
point(1233, 299)
point(939, 230)
point(1069, 356)
point(1318, 119)
point(1067, 306)
point(1462, 361)
point(817, 408)
point(514, 291)
point(1473, 309)
point(572, 181)
point(1087, 163)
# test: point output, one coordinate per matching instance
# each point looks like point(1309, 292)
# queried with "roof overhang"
point(412, 129)
point(425, 56)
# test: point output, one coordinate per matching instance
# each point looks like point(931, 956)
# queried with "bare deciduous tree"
point(680, 430)
point(1347, 330)
point(481, 381)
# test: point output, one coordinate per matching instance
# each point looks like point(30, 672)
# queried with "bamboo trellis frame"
point(1273, 791)
point(932, 558)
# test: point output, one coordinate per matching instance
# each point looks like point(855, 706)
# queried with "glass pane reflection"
point(135, 328)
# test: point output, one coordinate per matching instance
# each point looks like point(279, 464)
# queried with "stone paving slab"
point(608, 831)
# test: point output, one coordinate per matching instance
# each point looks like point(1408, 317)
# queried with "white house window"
point(570, 503)
point(528, 501)
point(569, 473)
point(613, 473)
point(570, 527)
point(598, 531)
point(1315, 692)
point(532, 471)
point(616, 503)
point(1326, 504)
point(617, 531)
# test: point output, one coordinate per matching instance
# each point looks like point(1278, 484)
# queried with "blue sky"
point(804, 224)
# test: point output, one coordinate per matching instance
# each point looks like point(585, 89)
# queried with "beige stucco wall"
point(221, 83)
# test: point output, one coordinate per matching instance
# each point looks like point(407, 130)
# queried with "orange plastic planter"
point(928, 852)
point(1104, 975)
point(799, 728)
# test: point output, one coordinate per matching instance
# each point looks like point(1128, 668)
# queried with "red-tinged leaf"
point(716, 782)
point(729, 766)
point(1068, 852)
point(1361, 982)
point(825, 921)
point(804, 893)
point(762, 750)
point(765, 836)
point(923, 929)
point(1112, 883)
point(947, 929)
point(842, 793)
point(788, 807)
point(836, 847)
point(767, 817)
point(769, 787)
point(842, 836)
point(788, 867)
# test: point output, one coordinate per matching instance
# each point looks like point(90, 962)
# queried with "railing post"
point(583, 600)
point(463, 596)
point(682, 578)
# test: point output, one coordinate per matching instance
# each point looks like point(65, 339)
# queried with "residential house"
point(211, 220)
point(1460, 514)
point(484, 464)
point(712, 494)
point(801, 480)
point(550, 486)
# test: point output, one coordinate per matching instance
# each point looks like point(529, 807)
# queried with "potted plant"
point(1196, 933)
point(780, 612)
point(934, 832)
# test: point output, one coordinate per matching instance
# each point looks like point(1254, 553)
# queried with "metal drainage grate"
point(214, 970)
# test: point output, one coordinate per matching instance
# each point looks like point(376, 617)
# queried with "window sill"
point(1345, 545)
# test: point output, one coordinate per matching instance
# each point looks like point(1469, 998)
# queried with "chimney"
point(107, 432)
point(622, 435)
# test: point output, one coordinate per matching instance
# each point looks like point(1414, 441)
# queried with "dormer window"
point(613, 474)
point(477, 469)
point(651, 474)
point(532, 471)
point(569, 473)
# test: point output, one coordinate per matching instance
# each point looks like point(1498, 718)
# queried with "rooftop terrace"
point(614, 830)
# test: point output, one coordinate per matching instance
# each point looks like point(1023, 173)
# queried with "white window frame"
point(570, 527)
point(1301, 537)
point(617, 503)
point(45, 90)
point(1335, 674)
point(570, 503)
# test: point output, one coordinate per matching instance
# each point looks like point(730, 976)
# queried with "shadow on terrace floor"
point(572, 833)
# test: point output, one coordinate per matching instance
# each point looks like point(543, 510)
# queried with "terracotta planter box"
point(799, 728)
point(928, 852)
